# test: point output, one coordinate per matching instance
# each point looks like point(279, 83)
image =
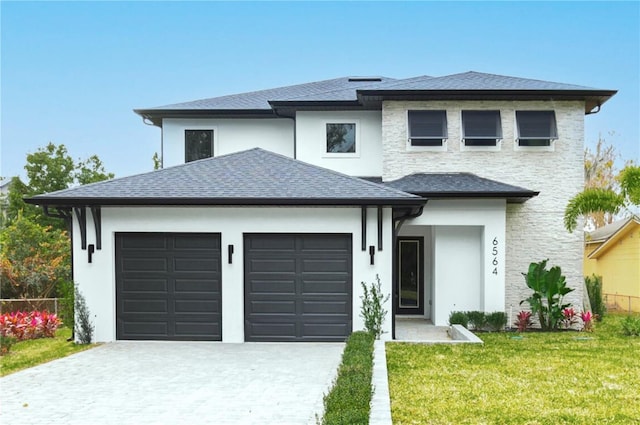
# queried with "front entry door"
point(410, 270)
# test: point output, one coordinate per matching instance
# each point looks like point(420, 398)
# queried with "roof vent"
point(355, 79)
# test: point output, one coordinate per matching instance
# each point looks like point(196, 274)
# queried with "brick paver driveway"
point(175, 383)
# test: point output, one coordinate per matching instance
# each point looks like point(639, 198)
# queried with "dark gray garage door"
point(168, 286)
point(297, 287)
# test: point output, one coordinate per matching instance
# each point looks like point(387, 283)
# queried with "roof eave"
point(176, 202)
point(511, 197)
point(592, 98)
point(157, 115)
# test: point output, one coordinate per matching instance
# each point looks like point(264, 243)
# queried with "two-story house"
point(273, 206)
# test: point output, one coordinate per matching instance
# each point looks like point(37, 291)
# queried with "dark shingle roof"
point(252, 177)
point(337, 89)
point(459, 185)
point(478, 81)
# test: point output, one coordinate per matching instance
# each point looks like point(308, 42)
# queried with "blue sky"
point(71, 73)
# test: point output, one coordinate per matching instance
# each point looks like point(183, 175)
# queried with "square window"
point(536, 128)
point(427, 128)
point(341, 138)
point(198, 144)
point(481, 128)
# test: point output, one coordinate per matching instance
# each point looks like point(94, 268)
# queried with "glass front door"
point(410, 269)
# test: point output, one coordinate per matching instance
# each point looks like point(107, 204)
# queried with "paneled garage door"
point(168, 286)
point(297, 287)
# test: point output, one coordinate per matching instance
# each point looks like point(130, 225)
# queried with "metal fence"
point(617, 302)
point(30, 304)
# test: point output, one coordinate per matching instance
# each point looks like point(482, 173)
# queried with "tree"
point(605, 200)
point(34, 259)
point(600, 173)
point(50, 169)
point(34, 255)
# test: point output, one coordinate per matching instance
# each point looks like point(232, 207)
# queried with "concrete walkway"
point(175, 383)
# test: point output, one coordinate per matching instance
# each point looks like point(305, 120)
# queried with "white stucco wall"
point(534, 230)
point(97, 280)
point(311, 141)
point(467, 268)
point(229, 135)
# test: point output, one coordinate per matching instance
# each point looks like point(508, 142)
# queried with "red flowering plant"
point(587, 321)
point(523, 321)
point(569, 317)
point(29, 325)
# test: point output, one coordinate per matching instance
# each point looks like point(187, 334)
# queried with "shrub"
point(594, 289)
point(496, 321)
point(459, 318)
point(523, 321)
point(349, 400)
point(29, 325)
point(372, 310)
point(6, 342)
point(477, 319)
point(549, 288)
point(84, 327)
point(631, 326)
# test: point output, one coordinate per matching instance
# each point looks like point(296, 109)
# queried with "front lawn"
point(543, 378)
point(29, 353)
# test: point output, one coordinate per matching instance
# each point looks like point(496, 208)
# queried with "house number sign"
point(494, 252)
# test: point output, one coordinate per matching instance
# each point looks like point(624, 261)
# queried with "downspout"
point(295, 131)
point(397, 224)
point(146, 121)
point(594, 112)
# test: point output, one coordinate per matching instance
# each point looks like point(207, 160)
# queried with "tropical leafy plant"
point(372, 310)
point(523, 321)
point(587, 321)
point(569, 317)
point(549, 288)
point(29, 325)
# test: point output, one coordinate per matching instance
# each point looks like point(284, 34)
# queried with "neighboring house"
point(4, 191)
point(613, 252)
point(273, 206)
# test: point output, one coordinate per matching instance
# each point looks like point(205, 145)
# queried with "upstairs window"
point(341, 138)
point(481, 128)
point(198, 144)
point(536, 128)
point(427, 128)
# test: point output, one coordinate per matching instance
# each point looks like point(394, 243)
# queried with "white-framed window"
point(198, 144)
point(427, 128)
point(536, 129)
point(341, 138)
point(481, 129)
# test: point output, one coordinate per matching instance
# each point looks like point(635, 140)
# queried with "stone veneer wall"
point(535, 229)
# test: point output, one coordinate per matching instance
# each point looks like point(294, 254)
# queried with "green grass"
point(543, 378)
point(348, 401)
point(26, 354)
